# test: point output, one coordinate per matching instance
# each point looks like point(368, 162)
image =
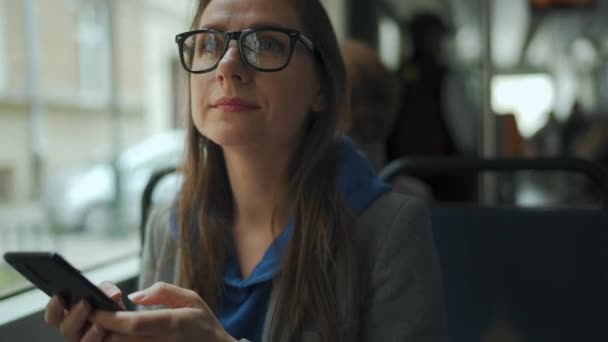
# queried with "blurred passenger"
point(573, 129)
point(374, 107)
point(580, 137)
point(593, 142)
point(548, 140)
point(374, 100)
point(281, 231)
point(435, 120)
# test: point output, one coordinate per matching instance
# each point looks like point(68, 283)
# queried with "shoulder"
point(158, 227)
point(391, 214)
point(393, 226)
point(159, 250)
point(399, 271)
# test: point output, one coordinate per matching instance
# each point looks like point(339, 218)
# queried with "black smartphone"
point(53, 275)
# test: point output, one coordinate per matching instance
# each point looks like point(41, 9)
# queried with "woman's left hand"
point(189, 318)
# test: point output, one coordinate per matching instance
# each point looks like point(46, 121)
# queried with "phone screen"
point(53, 275)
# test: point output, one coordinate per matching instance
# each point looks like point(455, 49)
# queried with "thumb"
point(110, 290)
point(169, 295)
point(113, 292)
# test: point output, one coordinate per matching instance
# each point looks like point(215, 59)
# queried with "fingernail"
point(136, 296)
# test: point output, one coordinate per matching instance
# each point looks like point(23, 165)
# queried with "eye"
point(270, 44)
point(209, 43)
point(267, 42)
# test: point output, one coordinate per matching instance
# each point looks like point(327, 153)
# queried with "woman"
point(281, 231)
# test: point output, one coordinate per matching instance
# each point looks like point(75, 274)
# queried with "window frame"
point(3, 59)
point(94, 57)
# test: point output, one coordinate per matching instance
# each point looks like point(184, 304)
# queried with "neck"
point(258, 180)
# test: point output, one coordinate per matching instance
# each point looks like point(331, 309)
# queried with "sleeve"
point(405, 296)
point(154, 250)
point(148, 259)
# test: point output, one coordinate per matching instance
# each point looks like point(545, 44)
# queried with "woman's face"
point(276, 104)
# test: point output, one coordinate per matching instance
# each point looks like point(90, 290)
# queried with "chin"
point(232, 137)
point(227, 132)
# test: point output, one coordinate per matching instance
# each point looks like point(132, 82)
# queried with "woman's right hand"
point(74, 325)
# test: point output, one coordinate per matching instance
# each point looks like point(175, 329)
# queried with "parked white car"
point(84, 201)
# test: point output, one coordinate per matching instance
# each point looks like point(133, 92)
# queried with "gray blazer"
point(404, 300)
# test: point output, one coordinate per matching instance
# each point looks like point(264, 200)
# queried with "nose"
point(231, 66)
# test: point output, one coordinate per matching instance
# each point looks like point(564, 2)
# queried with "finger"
point(94, 334)
point(122, 305)
point(53, 315)
point(169, 295)
point(139, 323)
point(72, 325)
point(112, 291)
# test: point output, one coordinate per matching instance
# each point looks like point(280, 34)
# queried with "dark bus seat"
point(520, 274)
point(146, 198)
point(541, 272)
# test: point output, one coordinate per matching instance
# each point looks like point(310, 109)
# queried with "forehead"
point(236, 15)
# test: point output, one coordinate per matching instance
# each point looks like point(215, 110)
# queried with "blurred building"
point(70, 47)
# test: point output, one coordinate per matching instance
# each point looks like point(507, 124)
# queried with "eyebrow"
point(257, 25)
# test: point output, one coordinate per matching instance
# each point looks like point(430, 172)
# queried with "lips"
point(234, 104)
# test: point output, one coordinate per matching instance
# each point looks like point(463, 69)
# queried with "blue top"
point(245, 301)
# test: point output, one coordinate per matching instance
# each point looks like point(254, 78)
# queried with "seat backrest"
point(148, 195)
point(457, 168)
point(533, 273)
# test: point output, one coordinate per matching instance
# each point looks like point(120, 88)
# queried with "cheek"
point(290, 110)
point(294, 95)
point(199, 96)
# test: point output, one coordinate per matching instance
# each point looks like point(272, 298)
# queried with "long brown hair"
point(304, 287)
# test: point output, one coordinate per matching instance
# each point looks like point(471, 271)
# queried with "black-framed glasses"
point(266, 49)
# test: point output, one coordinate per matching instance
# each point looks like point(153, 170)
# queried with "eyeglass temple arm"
point(307, 42)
